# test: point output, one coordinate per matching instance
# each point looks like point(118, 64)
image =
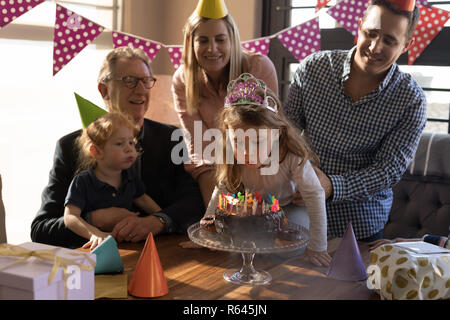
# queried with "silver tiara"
point(246, 89)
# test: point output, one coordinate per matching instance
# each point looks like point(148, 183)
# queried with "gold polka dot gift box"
point(410, 271)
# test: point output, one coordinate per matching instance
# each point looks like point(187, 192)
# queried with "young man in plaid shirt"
point(363, 117)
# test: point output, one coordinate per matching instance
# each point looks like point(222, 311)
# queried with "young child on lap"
point(107, 151)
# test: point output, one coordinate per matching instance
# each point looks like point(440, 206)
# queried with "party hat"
point(148, 278)
point(89, 112)
point(108, 257)
point(405, 5)
point(212, 9)
point(347, 263)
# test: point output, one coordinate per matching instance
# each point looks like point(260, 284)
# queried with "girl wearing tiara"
point(281, 165)
point(212, 57)
point(108, 150)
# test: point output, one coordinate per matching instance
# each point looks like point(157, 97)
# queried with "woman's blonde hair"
point(192, 70)
point(257, 116)
point(98, 133)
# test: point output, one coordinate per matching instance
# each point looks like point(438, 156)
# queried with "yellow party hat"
point(212, 9)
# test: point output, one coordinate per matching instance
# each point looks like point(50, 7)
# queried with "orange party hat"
point(148, 279)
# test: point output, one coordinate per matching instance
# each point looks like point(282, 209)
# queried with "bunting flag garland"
point(303, 39)
point(423, 3)
point(260, 45)
point(175, 53)
point(431, 22)
point(348, 12)
point(12, 9)
point(321, 3)
point(150, 47)
point(72, 34)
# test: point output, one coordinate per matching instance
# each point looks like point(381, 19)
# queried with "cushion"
point(422, 197)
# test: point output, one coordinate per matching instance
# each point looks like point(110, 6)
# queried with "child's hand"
point(319, 258)
point(297, 199)
point(96, 239)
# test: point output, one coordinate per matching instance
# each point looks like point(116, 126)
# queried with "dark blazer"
point(176, 192)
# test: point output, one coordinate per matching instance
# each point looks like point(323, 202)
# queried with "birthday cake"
point(249, 217)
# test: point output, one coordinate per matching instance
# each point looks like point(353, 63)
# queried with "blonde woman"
point(212, 56)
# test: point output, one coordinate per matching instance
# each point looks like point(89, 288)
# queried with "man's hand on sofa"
point(375, 244)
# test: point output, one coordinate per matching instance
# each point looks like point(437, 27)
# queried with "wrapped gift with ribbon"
point(410, 271)
point(35, 271)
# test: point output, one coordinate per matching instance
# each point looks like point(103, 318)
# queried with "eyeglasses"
point(132, 81)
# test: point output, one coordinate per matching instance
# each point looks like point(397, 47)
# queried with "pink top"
point(211, 105)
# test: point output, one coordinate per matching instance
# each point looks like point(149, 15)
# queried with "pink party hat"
point(347, 263)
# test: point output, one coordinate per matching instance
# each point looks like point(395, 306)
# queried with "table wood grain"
point(197, 274)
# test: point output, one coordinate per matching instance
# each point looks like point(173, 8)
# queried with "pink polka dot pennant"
point(423, 3)
point(72, 33)
point(348, 12)
point(260, 45)
point(150, 47)
point(303, 39)
point(431, 22)
point(175, 53)
point(321, 3)
point(12, 9)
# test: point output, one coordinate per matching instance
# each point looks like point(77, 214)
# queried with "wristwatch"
point(163, 222)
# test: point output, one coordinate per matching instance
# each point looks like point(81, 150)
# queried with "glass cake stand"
point(247, 275)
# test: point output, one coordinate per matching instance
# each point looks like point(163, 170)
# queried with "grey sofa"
point(422, 197)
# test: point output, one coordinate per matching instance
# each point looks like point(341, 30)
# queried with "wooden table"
point(197, 274)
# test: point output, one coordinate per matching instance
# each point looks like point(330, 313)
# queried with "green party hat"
point(108, 257)
point(89, 112)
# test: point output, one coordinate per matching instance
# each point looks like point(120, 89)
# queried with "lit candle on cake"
point(245, 201)
point(275, 206)
point(255, 205)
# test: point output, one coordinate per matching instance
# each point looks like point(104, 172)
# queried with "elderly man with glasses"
point(124, 81)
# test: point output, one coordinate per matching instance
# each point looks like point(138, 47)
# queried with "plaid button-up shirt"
point(365, 146)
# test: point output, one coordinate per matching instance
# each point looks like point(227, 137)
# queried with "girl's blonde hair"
point(98, 133)
point(192, 70)
point(257, 116)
